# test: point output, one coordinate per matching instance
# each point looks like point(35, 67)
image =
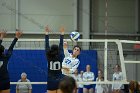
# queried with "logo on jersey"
point(55, 65)
point(1, 63)
point(67, 61)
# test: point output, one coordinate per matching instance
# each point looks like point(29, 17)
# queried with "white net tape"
point(99, 82)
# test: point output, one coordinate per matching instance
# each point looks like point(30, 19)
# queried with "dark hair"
point(54, 51)
point(134, 86)
point(117, 65)
point(67, 84)
point(77, 46)
point(1, 49)
point(102, 74)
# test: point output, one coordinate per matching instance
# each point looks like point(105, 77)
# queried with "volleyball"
point(74, 36)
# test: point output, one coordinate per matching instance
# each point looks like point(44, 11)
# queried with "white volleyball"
point(74, 36)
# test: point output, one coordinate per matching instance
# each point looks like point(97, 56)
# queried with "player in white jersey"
point(117, 76)
point(88, 76)
point(70, 62)
point(80, 79)
point(101, 88)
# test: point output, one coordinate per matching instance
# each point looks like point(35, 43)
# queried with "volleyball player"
point(4, 58)
point(100, 88)
point(55, 55)
point(70, 62)
point(117, 76)
point(88, 76)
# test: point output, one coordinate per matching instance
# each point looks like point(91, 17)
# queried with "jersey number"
point(55, 65)
point(68, 61)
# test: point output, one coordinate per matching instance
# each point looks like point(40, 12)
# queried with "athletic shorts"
point(53, 82)
point(88, 86)
point(80, 90)
point(4, 84)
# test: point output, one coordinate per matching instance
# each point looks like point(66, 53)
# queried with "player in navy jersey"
point(4, 58)
point(55, 55)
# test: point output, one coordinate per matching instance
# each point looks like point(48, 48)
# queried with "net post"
point(121, 58)
point(105, 60)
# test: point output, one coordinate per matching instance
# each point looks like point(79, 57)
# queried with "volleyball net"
point(109, 53)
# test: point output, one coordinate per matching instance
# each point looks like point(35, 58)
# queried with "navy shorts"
point(80, 90)
point(88, 86)
point(53, 82)
point(4, 84)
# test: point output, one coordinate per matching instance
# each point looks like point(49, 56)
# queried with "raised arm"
point(47, 30)
point(66, 52)
point(62, 30)
point(2, 35)
point(17, 36)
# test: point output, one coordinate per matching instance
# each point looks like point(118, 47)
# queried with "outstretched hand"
point(18, 33)
point(47, 29)
point(62, 30)
point(65, 45)
point(2, 33)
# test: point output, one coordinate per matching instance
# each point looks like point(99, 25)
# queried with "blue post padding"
point(88, 57)
point(34, 63)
